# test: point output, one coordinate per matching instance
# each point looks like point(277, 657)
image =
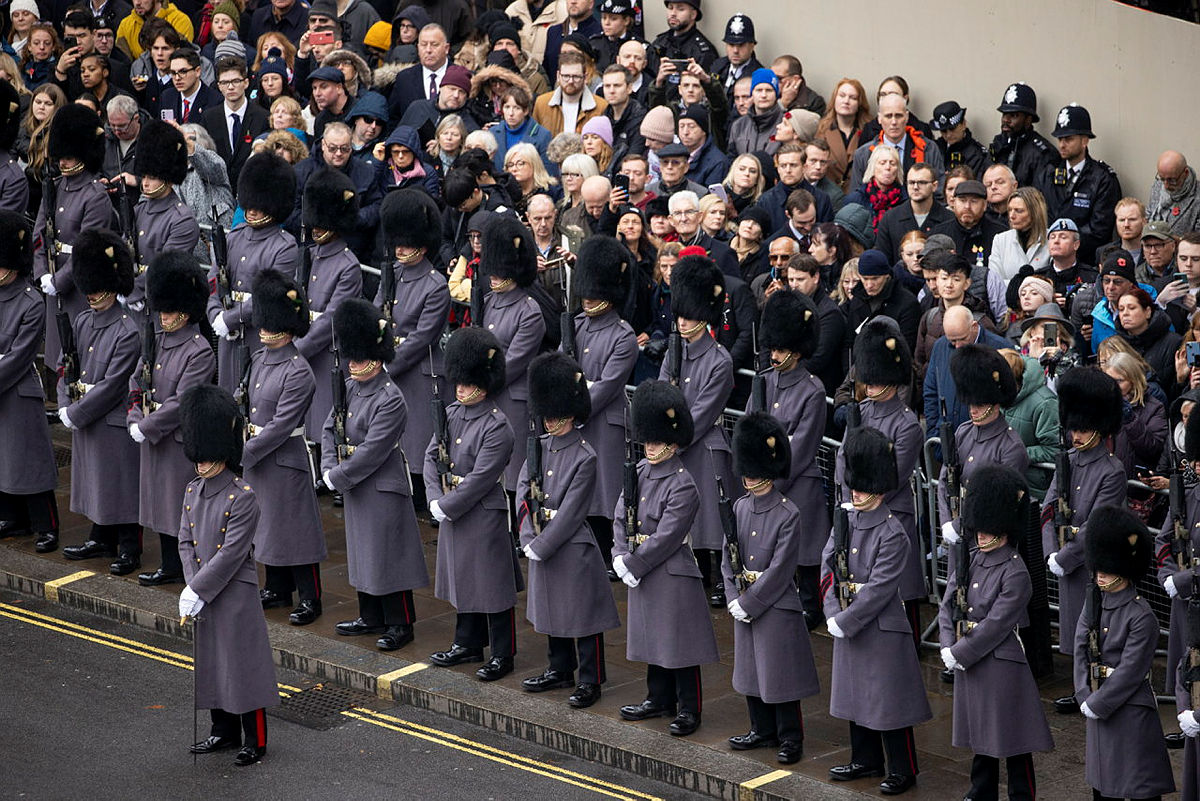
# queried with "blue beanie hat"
point(764, 75)
point(873, 262)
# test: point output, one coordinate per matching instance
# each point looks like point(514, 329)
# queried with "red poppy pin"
point(247, 138)
point(1175, 210)
point(1120, 261)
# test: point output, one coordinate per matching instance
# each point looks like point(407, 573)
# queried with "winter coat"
point(430, 183)
point(1034, 416)
point(753, 132)
point(27, 463)
point(1157, 345)
point(1007, 256)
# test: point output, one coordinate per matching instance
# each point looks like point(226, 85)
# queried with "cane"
point(195, 715)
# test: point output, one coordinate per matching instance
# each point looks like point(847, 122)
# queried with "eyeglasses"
point(919, 183)
point(683, 215)
point(518, 163)
point(572, 175)
point(181, 73)
point(229, 83)
point(1153, 244)
point(563, 77)
point(779, 257)
point(123, 127)
point(105, 35)
point(337, 148)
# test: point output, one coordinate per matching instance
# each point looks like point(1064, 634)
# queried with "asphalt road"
point(93, 709)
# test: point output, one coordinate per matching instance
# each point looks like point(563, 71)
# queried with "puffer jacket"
point(754, 132)
point(1034, 416)
point(1157, 345)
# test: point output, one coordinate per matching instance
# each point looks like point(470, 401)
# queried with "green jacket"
point(1034, 416)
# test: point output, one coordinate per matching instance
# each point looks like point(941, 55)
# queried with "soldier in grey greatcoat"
point(706, 379)
point(1089, 405)
point(104, 460)
point(1190, 727)
point(14, 185)
point(569, 598)
point(383, 544)
point(669, 627)
point(477, 568)
point(235, 674)
point(877, 684)
point(28, 474)
point(182, 358)
point(606, 348)
point(76, 148)
point(267, 191)
point(772, 660)
point(1176, 561)
point(1126, 756)
point(289, 542)
point(790, 330)
point(997, 709)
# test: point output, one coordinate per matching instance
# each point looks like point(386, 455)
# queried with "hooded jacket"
point(1034, 416)
point(479, 105)
point(422, 175)
point(753, 132)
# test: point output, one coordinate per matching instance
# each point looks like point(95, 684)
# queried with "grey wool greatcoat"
point(250, 251)
point(104, 459)
point(1126, 755)
point(14, 186)
point(797, 399)
point(1185, 580)
point(163, 223)
point(183, 359)
point(275, 460)
point(517, 321)
point(668, 624)
point(706, 379)
point(1191, 746)
point(335, 276)
point(422, 303)
point(606, 349)
point(899, 424)
point(876, 676)
point(772, 656)
point(383, 544)
point(83, 205)
point(476, 566)
point(994, 443)
point(569, 594)
point(997, 709)
point(1097, 478)
point(234, 668)
point(27, 458)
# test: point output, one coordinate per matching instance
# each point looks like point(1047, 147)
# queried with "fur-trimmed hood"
point(360, 65)
point(385, 76)
point(479, 80)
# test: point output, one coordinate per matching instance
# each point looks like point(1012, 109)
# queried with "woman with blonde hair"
point(848, 111)
point(447, 142)
point(576, 168)
point(1118, 344)
point(287, 114)
point(286, 144)
point(1143, 432)
point(849, 279)
point(744, 183)
point(714, 218)
point(1025, 240)
point(9, 71)
point(33, 138)
point(525, 165)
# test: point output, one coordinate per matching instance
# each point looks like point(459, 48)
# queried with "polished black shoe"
point(790, 752)
point(751, 740)
point(947, 676)
point(897, 783)
point(612, 576)
point(1067, 705)
point(1174, 740)
point(584, 696)
point(685, 723)
point(550, 680)
point(304, 613)
point(211, 745)
point(717, 599)
point(11, 528)
point(89, 550)
point(457, 655)
point(125, 564)
point(338, 500)
point(46, 542)
point(496, 668)
point(645, 710)
point(159, 577)
point(249, 755)
point(395, 638)
point(273, 600)
point(813, 622)
point(852, 771)
point(357, 627)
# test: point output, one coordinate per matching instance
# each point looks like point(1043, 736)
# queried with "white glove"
point(1188, 723)
point(1055, 568)
point(435, 509)
point(739, 614)
point(325, 480)
point(66, 421)
point(948, 659)
point(528, 549)
point(47, 282)
point(949, 533)
point(136, 305)
point(219, 326)
point(619, 567)
point(1169, 586)
point(1087, 711)
point(834, 628)
point(135, 433)
point(190, 603)
point(629, 580)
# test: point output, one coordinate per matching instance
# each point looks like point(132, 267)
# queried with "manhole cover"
point(320, 707)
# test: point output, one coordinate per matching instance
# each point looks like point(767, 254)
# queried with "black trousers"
point(590, 650)
point(125, 537)
point(602, 530)
point(705, 558)
point(477, 629)
point(869, 747)
point(912, 610)
point(171, 563)
point(985, 778)
point(393, 609)
point(306, 579)
point(808, 582)
point(252, 724)
point(678, 688)
point(37, 512)
point(776, 720)
point(1097, 797)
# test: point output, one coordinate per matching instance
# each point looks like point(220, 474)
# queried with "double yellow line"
point(380, 719)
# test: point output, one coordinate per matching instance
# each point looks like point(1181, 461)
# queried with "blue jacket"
point(939, 384)
point(774, 201)
point(1103, 323)
point(370, 195)
point(406, 136)
point(710, 165)
point(530, 132)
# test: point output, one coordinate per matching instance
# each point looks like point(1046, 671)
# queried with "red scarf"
point(881, 200)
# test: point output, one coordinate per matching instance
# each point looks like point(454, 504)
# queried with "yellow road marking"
point(52, 586)
point(746, 789)
point(178, 662)
point(93, 632)
point(383, 683)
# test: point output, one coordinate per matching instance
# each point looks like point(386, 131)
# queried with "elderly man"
point(1000, 182)
point(586, 217)
point(673, 170)
point(1173, 194)
point(1158, 248)
point(1069, 276)
point(553, 248)
point(120, 141)
point(685, 217)
point(960, 328)
point(912, 145)
point(919, 212)
point(422, 81)
point(335, 151)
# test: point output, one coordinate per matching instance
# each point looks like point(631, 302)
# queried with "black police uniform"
point(1026, 153)
point(692, 44)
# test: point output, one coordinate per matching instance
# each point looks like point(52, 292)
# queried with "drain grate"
point(62, 455)
point(320, 707)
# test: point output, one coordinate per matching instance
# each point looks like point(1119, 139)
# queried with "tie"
point(433, 87)
point(235, 134)
point(187, 108)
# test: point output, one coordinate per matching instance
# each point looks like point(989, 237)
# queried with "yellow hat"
point(379, 36)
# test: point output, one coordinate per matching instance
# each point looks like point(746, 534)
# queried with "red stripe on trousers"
point(260, 724)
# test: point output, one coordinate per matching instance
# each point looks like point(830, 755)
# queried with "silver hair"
point(123, 105)
point(678, 199)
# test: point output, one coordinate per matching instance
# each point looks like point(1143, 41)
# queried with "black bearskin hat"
point(16, 251)
point(175, 282)
point(660, 414)
point(881, 354)
point(474, 357)
point(102, 262)
point(558, 388)
point(1118, 542)
point(981, 376)
point(790, 322)
point(268, 185)
point(997, 503)
point(760, 447)
point(1089, 400)
point(604, 270)
point(211, 425)
point(1191, 436)
point(76, 133)
point(10, 115)
point(279, 305)
point(410, 219)
point(697, 289)
point(362, 333)
point(870, 461)
point(330, 201)
point(161, 152)
point(509, 252)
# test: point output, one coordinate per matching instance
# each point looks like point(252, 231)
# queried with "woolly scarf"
point(881, 200)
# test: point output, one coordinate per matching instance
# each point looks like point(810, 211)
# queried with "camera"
point(69, 42)
point(1193, 354)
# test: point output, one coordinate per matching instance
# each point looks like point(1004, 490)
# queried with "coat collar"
point(1093, 454)
point(568, 440)
point(284, 354)
point(791, 378)
point(502, 300)
point(992, 429)
point(765, 503)
point(484, 407)
point(872, 518)
point(17, 287)
point(1115, 600)
point(217, 484)
point(999, 556)
point(694, 350)
point(109, 316)
point(173, 339)
point(414, 271)
point(365, 389)
point(606, 320)
point(667, 467)
point(330, 248)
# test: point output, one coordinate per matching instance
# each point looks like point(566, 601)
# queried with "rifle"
point(729, 525)
point(1191, 676)
point(441, 430)
point(962, 580)
point(387, 289)
point(1097, 671)
point(951, 461)
point(758, 384)
point(566, 323)
point(306, 262)
point(220, 248)
point(241, 395)
point(630, 490)
point(535, 500)
point(1180, 542)
point(1063, 513)
point(62, 319)
point(340, 407)
point(477, 299)
point(674, 354)
point(841, 555)
point(149, 353)
point(128, 223)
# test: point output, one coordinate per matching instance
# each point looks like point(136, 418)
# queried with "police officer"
point(1077, 186)
point(739, 42)
point(957, 144)
point(569, 598)
point(617, 23)
point(181, 358)
point(235, 675)
point(267, 192)
point(104, 460)
point(772, 662)
point(1018, 145)
point(682, 39)
point(668, 626)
